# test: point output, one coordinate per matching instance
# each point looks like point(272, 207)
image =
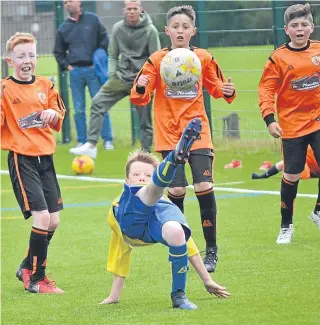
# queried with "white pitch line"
point(106, 180)
point(221, 189)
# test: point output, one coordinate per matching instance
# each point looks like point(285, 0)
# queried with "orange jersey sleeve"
point(174, 109)
point(22, 131)
point(290, 86)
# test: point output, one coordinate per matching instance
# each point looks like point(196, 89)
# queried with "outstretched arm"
point(116, 289)
point(211, 286)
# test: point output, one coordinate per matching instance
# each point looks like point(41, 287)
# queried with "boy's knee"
point(177, 191)
point(202, 186)
point(54, 221)
point(41, 219)
point(291, 177)
point(173, 233)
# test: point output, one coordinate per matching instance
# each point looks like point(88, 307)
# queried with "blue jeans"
point(80, 77)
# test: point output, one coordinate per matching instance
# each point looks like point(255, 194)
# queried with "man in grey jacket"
point(133, 40)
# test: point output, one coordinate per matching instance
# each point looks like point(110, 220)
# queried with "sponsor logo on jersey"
point(31, 121)
point(306, 83)
point(184, 94)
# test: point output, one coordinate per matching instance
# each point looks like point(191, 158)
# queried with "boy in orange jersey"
point(30, 108)
point(172, 110)
point(292, 74)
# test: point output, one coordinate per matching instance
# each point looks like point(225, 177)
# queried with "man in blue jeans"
point(133, 40)
point(76, 40)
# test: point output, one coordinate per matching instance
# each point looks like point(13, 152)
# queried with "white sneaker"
point(79, 144)
point(87, 149)
point(285, 235)
point(108, 145)
point(315, 217)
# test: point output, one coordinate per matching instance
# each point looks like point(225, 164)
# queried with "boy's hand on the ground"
point(217, 290)
point(143, 81)
point(228, 88)
point(49, 116)
point(109, 300)
point(275, 129)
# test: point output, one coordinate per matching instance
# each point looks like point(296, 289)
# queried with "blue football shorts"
point(139, 221)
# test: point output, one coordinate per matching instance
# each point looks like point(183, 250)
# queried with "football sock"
point(177, 200)
point(317, 207)
point(288, 194)
point(178, 256)
point(38, 253)
point(26, 262)
point(164, 174)
point(271, 171)
point(208, 211)
point(50, 235)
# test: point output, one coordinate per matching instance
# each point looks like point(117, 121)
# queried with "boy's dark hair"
point(185, 10)
point(298, 11)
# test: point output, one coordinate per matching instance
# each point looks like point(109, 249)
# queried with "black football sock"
point(271, 171)
point(25, 264)
point(177, 200)
point(50, 235)
point(38, 253)
point(288, 194)
point(208, 211)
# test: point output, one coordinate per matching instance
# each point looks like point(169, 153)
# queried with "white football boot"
point(285, 235)
point(315, 217)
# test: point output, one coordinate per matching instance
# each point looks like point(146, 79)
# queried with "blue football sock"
point(163, 175)
point(178, 256)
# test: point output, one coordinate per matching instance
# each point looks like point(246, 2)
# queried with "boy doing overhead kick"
point(142, 216)
point(173, 110)
point(30, 108)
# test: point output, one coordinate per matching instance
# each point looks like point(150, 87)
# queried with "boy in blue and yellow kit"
point(142, 216)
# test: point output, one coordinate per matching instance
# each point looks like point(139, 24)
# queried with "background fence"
point(240, 35)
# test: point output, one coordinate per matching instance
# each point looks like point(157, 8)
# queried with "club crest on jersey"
point(184, 94)
point(306, 83)
point(42, 96)
point(316, 60)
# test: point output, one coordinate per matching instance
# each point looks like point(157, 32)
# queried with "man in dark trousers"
point(77, 39)
point(133, 40)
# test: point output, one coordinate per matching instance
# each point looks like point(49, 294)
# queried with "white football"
point(180, 69)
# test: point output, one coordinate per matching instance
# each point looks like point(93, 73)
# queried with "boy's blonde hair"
point(184, 10)
point(19, 38)
point(141, 156)
point(298, 11)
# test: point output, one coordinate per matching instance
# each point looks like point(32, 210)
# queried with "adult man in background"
point(133, 40)
point(77, 38)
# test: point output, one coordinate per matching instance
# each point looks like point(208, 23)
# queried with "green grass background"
point(270, 284)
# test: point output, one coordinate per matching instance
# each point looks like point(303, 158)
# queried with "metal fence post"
point(279, 35)
point(202, 41)
point(4, 69)
point(63, 80)
point(135, 124)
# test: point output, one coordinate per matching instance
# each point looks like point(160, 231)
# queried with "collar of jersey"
point(33, 78)
point(298, 50)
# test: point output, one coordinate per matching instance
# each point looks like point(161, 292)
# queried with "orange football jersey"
point(290, 85)
point(173, 110)
point(22, 131)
